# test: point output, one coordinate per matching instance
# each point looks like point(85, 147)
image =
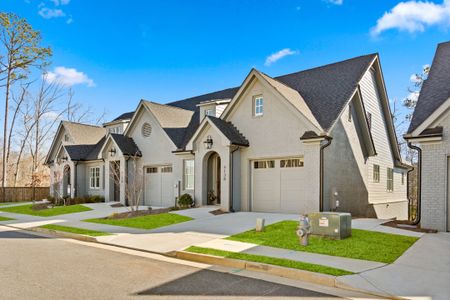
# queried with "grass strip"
point(5, 219)
point(49, 212)
point(75, 230)
point(363, 244)
point(271, 261)
point(144, 222)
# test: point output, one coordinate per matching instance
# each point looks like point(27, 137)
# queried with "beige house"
point(429, 132)
point(319, 139)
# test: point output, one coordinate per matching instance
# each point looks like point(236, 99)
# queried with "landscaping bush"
point(83, 200)
point(51, 199)
point(185, 200)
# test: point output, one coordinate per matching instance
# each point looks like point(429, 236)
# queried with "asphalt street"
point(34, 267)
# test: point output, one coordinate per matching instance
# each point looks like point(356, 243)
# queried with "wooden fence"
point(17, 194)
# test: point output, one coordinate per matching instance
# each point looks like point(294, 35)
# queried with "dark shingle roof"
point(84, 152)
point(191, 103)
point(436, 89)
point(327, 89)
point(124, 116)
point(78, 152)
point(230, 131)
point(126, 144)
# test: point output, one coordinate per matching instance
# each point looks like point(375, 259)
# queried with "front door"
point(116, 176)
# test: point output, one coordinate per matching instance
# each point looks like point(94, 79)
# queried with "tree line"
point(34, 105)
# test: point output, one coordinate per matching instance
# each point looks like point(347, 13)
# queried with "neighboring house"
point(430, 131)
point(320, 139)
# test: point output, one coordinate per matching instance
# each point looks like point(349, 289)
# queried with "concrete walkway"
point(422, 271)
point(348, 264)
point(182, 235)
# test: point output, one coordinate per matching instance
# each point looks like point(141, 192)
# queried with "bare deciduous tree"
point(134, 180)
point(20, 50)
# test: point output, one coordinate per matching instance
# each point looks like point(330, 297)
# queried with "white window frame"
point(376, 173)
point(94, 178)
point(390, 180)
point(188, 174)
point(210, 112)
point(258, 109)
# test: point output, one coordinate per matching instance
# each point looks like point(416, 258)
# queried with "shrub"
point(185, 200)
point(51, 199)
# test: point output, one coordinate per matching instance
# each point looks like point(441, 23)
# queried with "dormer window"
point(210, 112)
point(259, 106)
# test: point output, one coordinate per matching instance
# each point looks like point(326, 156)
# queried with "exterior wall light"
point(64, 159)
point(209, 142)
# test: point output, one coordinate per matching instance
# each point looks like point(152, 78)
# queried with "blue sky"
point(115, 53)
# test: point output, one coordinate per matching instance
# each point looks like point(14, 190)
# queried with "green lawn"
point(75, 230)
point(271, 260)
point(5, 219)
point(57, 210)
point(144, 222)
point(363, 244)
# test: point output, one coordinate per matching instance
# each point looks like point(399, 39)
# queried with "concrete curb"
point(63, 234)
point(311, 277)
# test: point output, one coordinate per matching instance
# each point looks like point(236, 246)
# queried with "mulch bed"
point(117, 205)
point(218, 212)
point(139, 213)
point(40, 206)
point(406, 226)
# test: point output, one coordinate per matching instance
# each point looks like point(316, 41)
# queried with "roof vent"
point(146, 129)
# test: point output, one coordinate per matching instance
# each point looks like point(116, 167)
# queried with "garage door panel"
point(158, 186)
point(278, 189)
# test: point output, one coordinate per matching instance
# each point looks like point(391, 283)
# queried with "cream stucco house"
point(429, 133)
point(319, 139)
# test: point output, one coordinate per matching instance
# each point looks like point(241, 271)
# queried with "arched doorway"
point(66, 182)
point(213, 179)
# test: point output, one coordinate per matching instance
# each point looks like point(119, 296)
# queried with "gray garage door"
point(276, 185)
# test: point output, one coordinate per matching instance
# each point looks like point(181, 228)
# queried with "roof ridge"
point(166, 105)
point(327, 65)
point(188, 98)
point(79, 123)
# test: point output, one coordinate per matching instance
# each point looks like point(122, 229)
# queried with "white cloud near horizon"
point(413, 16)
point(274, 57)
point(68, 77)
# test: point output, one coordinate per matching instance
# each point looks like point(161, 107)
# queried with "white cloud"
point(60, 2)
point(279, 55)
point(414, 16)
point(68, 77)
point(49, 13)
point(336, 2)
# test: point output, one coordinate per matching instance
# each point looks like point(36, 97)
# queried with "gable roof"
point(124, 116)
point(328, 88)
point(230, 131)
point(173, 120)
point(126, 144)
point(84, 133)
point(84, 152)
point(436, 89)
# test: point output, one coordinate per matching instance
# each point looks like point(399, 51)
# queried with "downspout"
point(231, 178)
point(126, 180)
point(416, 221)
point(75, 179)
point(321, 188)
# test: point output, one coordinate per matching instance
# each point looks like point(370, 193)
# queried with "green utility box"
point(331, 224)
